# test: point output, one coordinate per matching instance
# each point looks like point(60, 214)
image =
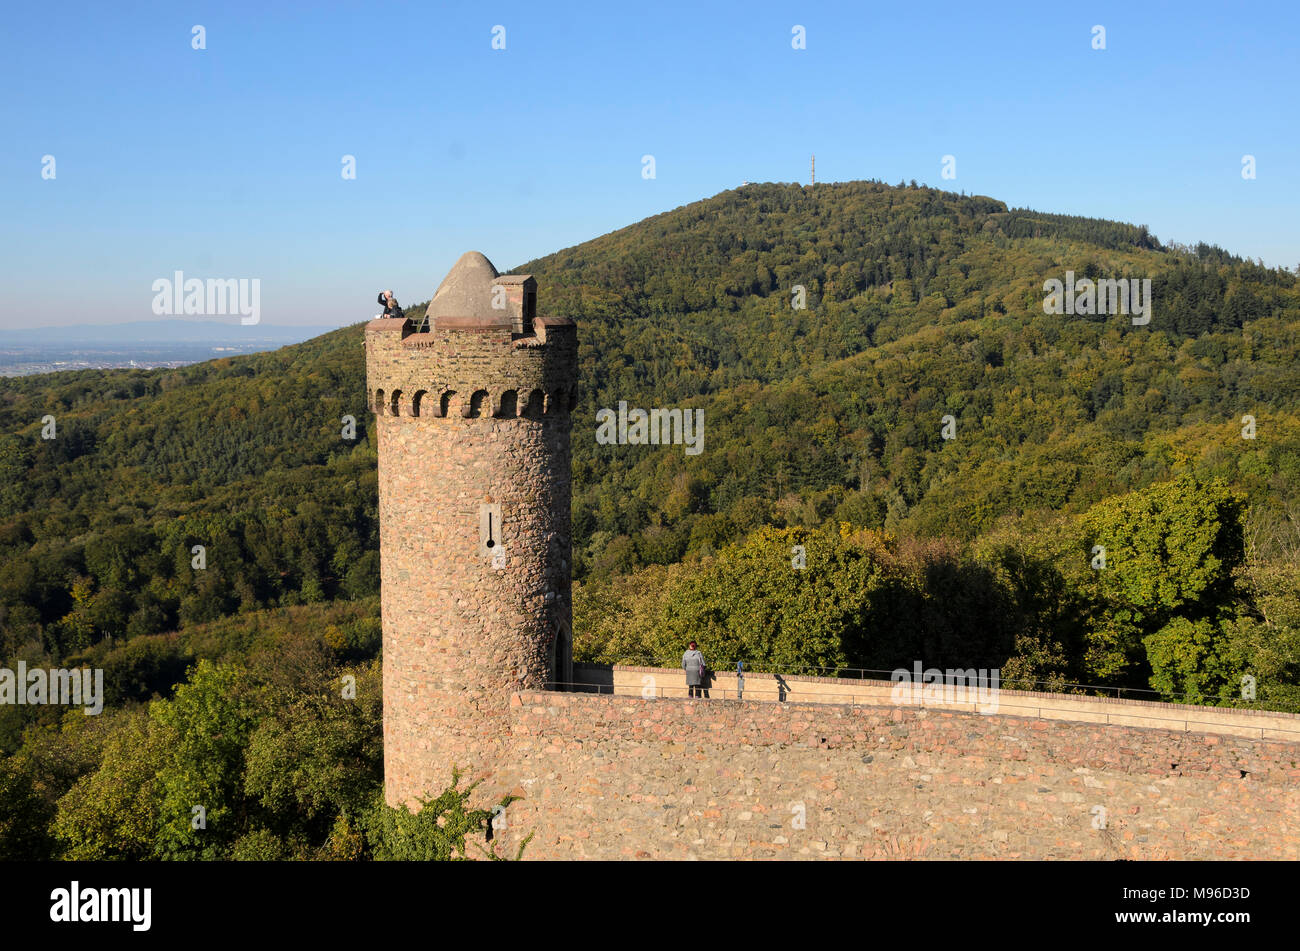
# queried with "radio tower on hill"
point(813, 179)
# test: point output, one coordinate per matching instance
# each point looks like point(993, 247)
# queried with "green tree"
point(436, 832)
point(320, 756)
point(206, 726)
point(1171, 551)
point(754, 603)
point(112, 812)
point(1188, 660)
point(1170, 546)
point(25, 815)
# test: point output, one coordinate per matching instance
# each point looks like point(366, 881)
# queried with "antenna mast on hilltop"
point(813, 179)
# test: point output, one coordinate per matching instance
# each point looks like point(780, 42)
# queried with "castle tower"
point(473, 417)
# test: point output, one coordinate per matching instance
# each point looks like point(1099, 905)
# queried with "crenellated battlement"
point(479, 404)
point(471, 373)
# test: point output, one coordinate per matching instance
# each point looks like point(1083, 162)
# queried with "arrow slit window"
point(491, 539)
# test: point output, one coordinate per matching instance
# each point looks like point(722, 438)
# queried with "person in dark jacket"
point(693, 664)
point(391, 309)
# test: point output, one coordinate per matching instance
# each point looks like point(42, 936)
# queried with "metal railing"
point(1017, 683)
point(1000, 704)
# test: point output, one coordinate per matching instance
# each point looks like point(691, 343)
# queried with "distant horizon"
point(224, 321)
point(156, 330)
point(219, 321)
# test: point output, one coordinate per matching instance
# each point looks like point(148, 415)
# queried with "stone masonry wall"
point(624, 777)
point(460, 633)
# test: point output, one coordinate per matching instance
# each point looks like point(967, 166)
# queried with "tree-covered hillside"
point(920, 305)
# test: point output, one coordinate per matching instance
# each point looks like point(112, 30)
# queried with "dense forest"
point(882, 391)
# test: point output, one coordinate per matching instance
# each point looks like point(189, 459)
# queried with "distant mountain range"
point(160, 333)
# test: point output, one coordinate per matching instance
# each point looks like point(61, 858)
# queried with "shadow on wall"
point(782, 688)
point(706, 681)
point(592, 678)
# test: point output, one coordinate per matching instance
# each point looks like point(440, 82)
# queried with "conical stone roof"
point(464, 298)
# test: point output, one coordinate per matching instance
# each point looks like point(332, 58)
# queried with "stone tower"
point(472, 411)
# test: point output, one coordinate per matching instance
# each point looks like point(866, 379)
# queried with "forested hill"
point(920, 304)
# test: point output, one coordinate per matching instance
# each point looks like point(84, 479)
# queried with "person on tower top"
point(391, 308)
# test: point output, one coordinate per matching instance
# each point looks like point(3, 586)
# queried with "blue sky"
point(225, 162)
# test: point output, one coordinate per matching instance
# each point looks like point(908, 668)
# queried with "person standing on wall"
point(693, 664)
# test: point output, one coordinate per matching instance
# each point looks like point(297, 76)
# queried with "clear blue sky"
point(226, 162)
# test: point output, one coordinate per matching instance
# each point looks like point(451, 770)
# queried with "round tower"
point(472, 409)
